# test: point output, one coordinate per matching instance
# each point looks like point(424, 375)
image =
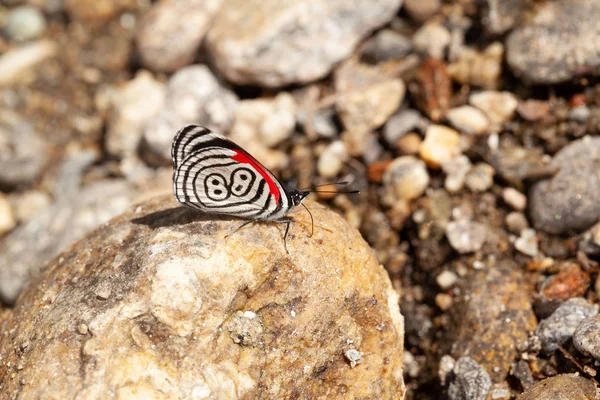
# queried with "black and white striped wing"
point(215, 175)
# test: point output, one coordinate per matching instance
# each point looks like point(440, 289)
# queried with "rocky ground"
point(471, 129)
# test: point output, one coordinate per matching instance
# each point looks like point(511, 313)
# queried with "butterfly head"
point(297, 196)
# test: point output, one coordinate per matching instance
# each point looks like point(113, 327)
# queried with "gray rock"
point(480, 178)
point(23, 151)
point(560, 326)
point(502, 15)
point(25, 23)
point(561, 41)
point(587, 336)
point(471, 381)
point(466, 236)
point(569, 201)
point(194, 96)
point(385, 45)
point(248, 48)
point(400, 124)
point(169, 35)
point(32, 245)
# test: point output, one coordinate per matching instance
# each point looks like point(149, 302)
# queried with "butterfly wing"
point(215, 175)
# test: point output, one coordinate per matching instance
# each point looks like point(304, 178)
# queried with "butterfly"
point(214, 175)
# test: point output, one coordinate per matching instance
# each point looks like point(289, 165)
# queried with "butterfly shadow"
point(177, 216)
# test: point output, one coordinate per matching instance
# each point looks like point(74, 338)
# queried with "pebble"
point(587, 335)
point(332, 159)
point(441, 144)
point(468, 119)
point(82, 329)
point(466, 236)
point(560, 326)
point(447, 363)
point(527, 242)
point(385, 45)
point(421, 10)
point(533, 110)
point(353, 356)
point(516, 222)
point(409, 144)
point(169, 35)
point(432, 39)
point(514, 198)
point(23, 151)
point(446, 279)
point(571, 281)
point(400, 124)
point(456, 171)
point(25, 23)
point(444, 301)
point(95, 10)
point(471, 381)
point(17, 61)
point(499, 107)
point(267, 51)
point(480, 178)
point(500, 16)
point(560, 41)
point(483, 69)
point(194, 96)
point(570, 200)
point(406, 178)
point(7, 218)
point(133, 107)
point(579, 114)
point(567, 387)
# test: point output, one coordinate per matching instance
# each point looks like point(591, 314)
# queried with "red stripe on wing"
point(245, 159)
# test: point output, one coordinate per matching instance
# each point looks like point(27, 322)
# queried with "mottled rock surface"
point(561, 387)
point(561, 41)
point(570, 200)
point(164, 302)
point(248, 48)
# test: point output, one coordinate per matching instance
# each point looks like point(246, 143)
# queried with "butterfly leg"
point(240, 227)
point(287, 223)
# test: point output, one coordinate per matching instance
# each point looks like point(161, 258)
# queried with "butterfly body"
point(214, 175)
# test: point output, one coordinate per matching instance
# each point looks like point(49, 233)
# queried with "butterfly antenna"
point(341, 183)
point(312, 221)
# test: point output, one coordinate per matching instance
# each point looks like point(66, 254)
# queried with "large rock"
point(248, 48)
point(166, 302)
point(561, 387)
point(170, 34)
point(561, 41)
point(32, 245)
point(570, 200)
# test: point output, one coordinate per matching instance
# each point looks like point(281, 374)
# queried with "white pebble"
point(468, 119)
point(446, 280)
point(332, 159)
point(527, 243)
point(514, 198)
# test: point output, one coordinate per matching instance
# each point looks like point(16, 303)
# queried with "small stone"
point(579, 114)
point(169, 35)
point(499, 107)
point(245, 329)
point(353, 356)
point(7, 218)
point(527, 243)
point(456, 171)
point(421, 10)
point(409, 144)
point(432, 39)
point(514, 198)
point(194, 96)
point(406, 178)
point(441, 144)
point(20, 60)
point(248, 48)
point(480, 178)
point(570, 200)
point(471, 381)
point(466, 236)
point(385, 45)
point(560, 326)
point(332, 159)
point(516, 222)
point(132, 107)
point(559, 41)
point(443, 301)
point(26, 204)
point(502, 15)
point(475, 68)
point(376, 170)
point(432, 89)
point(25, 23)
point(103, 291)
point(447, 363)
point(82, 329)
point(533, 110)
point(571, 281)
point(468, 119)
point(446, 280)
point(400, 124)
point(567, 387)
point(586, 337)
